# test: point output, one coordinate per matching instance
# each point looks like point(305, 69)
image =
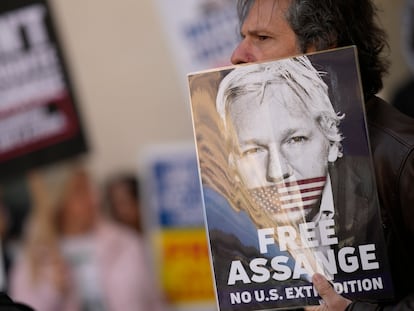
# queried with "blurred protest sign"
point(173, 214)
point(39, 117)
point(201, 34)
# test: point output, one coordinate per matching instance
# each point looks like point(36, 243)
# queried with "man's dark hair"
point(336, 23)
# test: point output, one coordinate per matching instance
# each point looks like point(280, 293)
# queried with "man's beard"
point(285, 197)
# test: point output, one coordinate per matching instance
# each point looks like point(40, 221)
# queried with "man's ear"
point(333, 153)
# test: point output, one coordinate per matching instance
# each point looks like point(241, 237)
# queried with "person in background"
point(75, 259)
point(123, 199)
point(272, 29)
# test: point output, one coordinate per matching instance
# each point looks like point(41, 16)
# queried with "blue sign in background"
point(174, 192)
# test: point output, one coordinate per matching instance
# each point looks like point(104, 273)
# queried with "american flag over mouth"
point(294, 195)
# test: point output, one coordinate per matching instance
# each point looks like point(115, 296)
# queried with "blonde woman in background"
point(75, 259)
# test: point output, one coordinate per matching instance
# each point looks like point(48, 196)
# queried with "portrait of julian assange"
point(286, 174)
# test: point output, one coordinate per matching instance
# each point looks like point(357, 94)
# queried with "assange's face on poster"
point(281, 153)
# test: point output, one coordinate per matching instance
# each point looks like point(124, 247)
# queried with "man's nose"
point(242, 53)
point(278, 167)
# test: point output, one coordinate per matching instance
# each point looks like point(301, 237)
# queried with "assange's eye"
point(251, 151)
point(297, 139)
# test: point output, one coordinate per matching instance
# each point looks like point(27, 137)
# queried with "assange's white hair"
point(303, 81)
